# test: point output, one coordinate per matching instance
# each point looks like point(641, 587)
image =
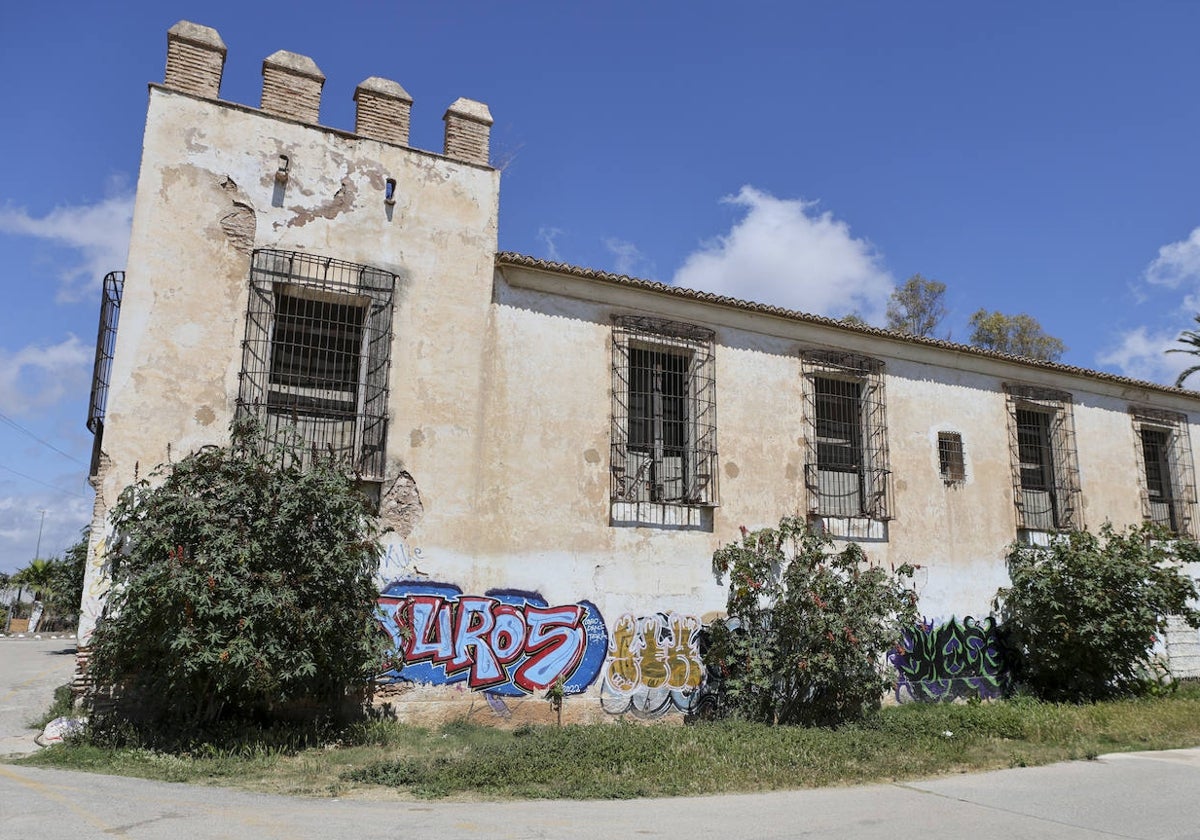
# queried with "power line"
point(39, 481)
point(5, 419)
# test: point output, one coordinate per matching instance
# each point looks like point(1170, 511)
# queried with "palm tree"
point(39, 576)
point(5, 582)
point(1192, 339)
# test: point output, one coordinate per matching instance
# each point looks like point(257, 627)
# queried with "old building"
point(560, 450)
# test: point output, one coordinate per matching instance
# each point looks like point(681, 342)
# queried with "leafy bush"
point(808, 627)
point(1083, 614)
point(66, 590)
point(243, 581)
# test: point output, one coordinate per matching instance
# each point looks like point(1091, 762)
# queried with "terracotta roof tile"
point(524, 261)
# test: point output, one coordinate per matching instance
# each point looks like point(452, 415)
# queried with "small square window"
point(951, 464)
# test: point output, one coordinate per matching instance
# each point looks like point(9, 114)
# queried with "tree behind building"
point(917, 307)
point(1019, 335)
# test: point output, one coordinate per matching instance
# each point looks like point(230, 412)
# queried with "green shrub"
point(808, 629)
point(243, 585)
point(1083, 614)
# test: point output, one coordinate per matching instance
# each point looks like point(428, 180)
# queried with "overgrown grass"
point(632, 760)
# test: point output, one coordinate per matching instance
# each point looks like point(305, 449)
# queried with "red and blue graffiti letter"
point(506, 642)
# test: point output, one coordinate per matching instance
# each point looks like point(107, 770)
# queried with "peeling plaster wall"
point(208, 196)
point(497, 476)
point(544, 498)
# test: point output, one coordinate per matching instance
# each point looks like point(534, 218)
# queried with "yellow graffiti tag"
point(655, 651)
point(99, 583)
point(623, 671)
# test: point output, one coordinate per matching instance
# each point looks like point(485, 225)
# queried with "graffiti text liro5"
point(505, 642)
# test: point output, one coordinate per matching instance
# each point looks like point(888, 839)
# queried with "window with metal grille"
point(951, 463)
point(1165, 455)
point(1044, 461)
point(316, 353)
point(1155, 444)
point(106, 341)
point(664, 420)
point(846, 467)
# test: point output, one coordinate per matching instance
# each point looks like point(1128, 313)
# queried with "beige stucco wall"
point(548, 450)
point(500, 385)
point(207, 197)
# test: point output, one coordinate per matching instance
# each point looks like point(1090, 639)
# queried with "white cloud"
point(1171, 283)
point(548, 237)
point(37, 376)
point(785, 252)
point(1177, 263)
point(21, 518)
point(98, 233)
point(1141, 354)
point(627, 259)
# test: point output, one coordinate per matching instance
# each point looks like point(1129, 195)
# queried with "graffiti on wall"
point(505, 642)
point(399, 562)
point(95, 592)
point(653, 665)
point(950, 660)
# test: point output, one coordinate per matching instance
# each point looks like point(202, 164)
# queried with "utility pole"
point(35, 612)
point(37, 552)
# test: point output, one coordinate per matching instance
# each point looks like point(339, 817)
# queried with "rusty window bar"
point(316, 355)
point(1164, 454)
point(663, 443)
point(1045, 463)
point(846, 468)
point(951, 459)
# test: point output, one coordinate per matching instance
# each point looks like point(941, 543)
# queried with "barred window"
point(664, 419)
point(951, 462)
point(846, 466)
point(1044, 461)
point(316, 353)
point(1164, 453)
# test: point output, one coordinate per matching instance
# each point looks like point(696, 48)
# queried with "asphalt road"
point(30, 670)
point(1132, 795)
point(1141, 795)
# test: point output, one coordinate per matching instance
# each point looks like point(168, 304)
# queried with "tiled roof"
point(524, 261)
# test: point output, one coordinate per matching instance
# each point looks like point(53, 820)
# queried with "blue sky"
point(1035, 157)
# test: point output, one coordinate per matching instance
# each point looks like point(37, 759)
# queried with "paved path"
point(1135, 795)
point(1132, 795)
point(30, 670)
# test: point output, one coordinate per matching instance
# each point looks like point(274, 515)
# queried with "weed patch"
point(619, 761)
point(63, 705)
